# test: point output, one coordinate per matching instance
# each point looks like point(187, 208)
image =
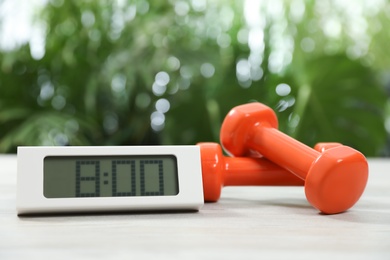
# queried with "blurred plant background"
point(167, 72)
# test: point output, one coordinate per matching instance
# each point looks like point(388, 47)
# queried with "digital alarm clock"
point(108, 178)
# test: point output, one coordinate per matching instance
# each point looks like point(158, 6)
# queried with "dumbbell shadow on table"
point(219, 171)
point(334, 179)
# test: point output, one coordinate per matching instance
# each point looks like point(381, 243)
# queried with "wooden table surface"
point(247, 223)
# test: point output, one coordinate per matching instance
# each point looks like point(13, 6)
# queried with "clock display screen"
point(110, 176)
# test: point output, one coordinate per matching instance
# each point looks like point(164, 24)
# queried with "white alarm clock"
point(108, 178)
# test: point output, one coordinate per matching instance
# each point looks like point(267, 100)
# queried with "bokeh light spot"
point(283, 89)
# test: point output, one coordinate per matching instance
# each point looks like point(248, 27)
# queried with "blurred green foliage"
point(167, 72)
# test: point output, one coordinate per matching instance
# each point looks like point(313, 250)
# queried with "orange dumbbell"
point(219, 171)
point(334, 179)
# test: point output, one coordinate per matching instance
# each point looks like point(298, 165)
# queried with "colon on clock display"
point(108, 176)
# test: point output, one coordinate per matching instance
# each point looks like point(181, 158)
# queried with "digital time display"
point(110, 176)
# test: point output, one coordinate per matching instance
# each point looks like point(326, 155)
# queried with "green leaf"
point(341, 102)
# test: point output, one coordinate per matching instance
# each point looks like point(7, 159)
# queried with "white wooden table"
point(247, 223)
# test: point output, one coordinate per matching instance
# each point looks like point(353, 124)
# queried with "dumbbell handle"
point(219, 171)
point(300, 156)
point(241, 171)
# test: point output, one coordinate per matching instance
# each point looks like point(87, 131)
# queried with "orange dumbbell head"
point(336, 180)
point(359, 179)
point(241, 120)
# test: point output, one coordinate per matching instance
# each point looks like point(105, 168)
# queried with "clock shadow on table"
point(108, 213)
